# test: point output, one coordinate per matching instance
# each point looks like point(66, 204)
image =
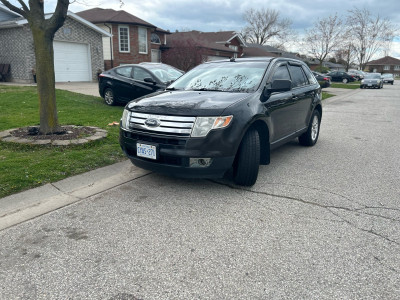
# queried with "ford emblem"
point(152, 122)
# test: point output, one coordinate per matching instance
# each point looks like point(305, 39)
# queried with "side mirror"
point(150, 80)
point(277, 86)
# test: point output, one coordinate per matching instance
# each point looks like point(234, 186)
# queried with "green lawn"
point(27, 166)
point(352, 85)
point(326, 95)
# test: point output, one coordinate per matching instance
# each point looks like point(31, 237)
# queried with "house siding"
point(381, 69)
point(16, 48)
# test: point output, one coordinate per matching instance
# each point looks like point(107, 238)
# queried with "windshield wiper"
point(171, 89)
point(206, 89)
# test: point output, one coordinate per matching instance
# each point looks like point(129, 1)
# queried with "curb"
point(35, 202)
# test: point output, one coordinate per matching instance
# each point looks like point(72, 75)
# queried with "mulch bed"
point(67, 132)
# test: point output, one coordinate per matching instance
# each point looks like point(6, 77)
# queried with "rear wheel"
point(247, 161)
point(310, 137)
point(109, 97)
point(345, 80)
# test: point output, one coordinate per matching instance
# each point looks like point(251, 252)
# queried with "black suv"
point(223, 115)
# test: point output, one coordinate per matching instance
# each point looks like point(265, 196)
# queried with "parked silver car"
point(388, 78)
point(372, 80)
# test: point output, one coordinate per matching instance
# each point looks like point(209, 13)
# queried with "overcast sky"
point(215, 15)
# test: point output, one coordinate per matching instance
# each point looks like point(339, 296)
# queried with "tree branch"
point(23, 12)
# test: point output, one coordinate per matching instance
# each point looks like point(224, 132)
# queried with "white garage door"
point(71, 62)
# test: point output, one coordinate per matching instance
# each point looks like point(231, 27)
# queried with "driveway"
point(87, 88)
point(320, 223)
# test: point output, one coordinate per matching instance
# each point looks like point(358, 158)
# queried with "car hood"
point(188, 103)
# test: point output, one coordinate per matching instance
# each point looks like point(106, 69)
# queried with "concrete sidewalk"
point(17, 208)
point(86, 88)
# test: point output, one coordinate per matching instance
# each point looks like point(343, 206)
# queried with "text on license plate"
point(147, 151)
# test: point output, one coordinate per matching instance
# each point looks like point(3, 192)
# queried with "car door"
point(334, 76)
point(279, 106)
point(302, 96)
point(141, 87)
point(122, 83)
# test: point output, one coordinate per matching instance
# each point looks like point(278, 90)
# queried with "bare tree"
point(43, 31)
point(323, 38)
point(346, 54)
point(184, 54)
point(370, 34)
point(265, 25)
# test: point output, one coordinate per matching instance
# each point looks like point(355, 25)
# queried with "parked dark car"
point(128, 82)
point(323, 80)
point(372, 80)
point(357, 74)
point(223, 116)
point(388, 78)
point(339, 76)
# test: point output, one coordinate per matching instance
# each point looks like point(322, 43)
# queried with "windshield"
point(387, 75)
point(242, 77)
point(372, 76)
point(165, 73)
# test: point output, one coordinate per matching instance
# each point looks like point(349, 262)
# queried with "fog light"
point(200, 162)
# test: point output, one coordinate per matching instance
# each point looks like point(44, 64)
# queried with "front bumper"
point(173, 155)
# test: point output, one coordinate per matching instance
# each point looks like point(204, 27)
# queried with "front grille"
point(155, 139)
point(168, 125)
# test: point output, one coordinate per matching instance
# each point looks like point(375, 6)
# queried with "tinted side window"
point(141, 74)
point(124, 71)
point(281, 73)
point(298, 77)
point(309, 75)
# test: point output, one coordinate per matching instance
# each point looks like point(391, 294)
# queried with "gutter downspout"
point(111, 49)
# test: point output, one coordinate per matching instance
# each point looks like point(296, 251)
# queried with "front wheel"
point(109, 97)
point(310, 137)
point(247, 161)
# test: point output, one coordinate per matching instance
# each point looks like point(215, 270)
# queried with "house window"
point(397, 68)
point(155, 55)
point(234, 48)
point(155, 39)
point(142, 40)
point(123, 35)
point(386, 68)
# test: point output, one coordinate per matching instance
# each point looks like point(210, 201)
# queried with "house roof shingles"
point(100, 15)
point(210, 40)
point(387, 60)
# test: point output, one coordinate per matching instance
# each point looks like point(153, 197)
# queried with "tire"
point(247, 161)
point(109, 97)
point(310, 137)
point(345, 80)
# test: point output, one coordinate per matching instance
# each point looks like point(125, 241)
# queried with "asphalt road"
point(320, 223)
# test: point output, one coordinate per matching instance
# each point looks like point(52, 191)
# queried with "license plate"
point(369, 84)
point(146, 151)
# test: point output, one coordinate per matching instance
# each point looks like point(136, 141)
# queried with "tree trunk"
point(45, 80)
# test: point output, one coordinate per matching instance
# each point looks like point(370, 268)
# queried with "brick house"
point(203, 46)
point(133, 39)
point(78, 49)
point(385, 64)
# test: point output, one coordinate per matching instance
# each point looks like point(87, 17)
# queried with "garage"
point(72, 62)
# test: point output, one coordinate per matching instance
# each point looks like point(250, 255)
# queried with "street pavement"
point(320, 223)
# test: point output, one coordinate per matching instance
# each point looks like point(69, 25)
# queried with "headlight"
point(362, 81)
point(125, 118)
point(203, 125)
